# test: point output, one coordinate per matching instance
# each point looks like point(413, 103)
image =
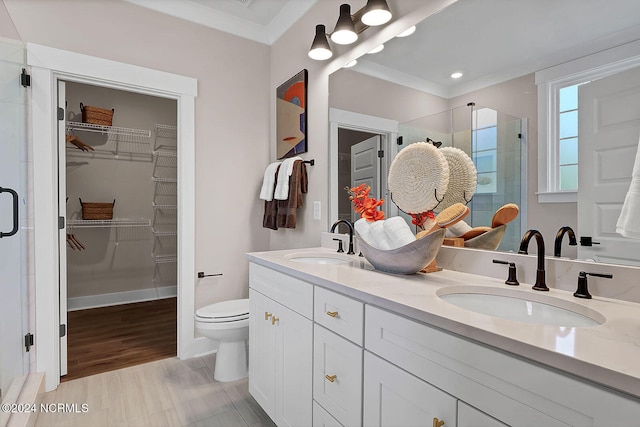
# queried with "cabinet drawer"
point(322, 418)
point(337, 376)
point(393, 397)
point(293, 293)
point(469, 416)
point(340, 314)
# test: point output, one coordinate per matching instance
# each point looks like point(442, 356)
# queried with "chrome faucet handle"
point(583, 289)
point(512, 279)
point(340, 249)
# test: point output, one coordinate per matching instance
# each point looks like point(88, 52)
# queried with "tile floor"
point(168, 392)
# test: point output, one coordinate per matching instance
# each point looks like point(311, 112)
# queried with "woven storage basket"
point(96, 116)
point(97, 210)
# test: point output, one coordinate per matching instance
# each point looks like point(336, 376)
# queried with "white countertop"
point(608, 354)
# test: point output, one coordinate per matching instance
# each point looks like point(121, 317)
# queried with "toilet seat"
point(224, 312)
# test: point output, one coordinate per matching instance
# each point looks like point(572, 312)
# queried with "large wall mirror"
point(498, 46)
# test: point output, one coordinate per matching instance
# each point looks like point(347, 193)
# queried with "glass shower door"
point(14, 215)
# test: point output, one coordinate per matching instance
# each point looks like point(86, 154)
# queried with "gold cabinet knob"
point(267, 315)
point(331, 378)
point(274, 319)
point(437, 422)
point(332, 313)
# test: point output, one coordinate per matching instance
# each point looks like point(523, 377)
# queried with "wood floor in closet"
point(108, 338)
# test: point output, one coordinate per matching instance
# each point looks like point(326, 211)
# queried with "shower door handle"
point(15, 212)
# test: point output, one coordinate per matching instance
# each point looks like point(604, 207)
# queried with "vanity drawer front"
point(322, 418)
point(341, 314)
point(291, 292)
point(337, 376)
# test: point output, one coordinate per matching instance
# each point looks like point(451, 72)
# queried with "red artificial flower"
point(366, 206)
point(419, 219)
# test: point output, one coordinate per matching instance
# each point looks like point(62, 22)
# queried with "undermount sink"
point(522, 306)
point(310, 258)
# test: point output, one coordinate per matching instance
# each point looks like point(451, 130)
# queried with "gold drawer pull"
point(437, 423)
point(331, 378)
point(332, 313)
point(274, 319)
point(267, 315)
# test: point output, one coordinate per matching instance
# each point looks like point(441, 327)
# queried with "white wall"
point(232, 113)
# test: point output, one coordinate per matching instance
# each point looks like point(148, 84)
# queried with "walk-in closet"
point(121, 251)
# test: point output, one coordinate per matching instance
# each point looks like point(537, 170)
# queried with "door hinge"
point(399, 140)
point(60, 222)
point(60, 113)
point(380, 153)
point(28, 341)
point(25, 79)
point(63, 330)
point(519, 136)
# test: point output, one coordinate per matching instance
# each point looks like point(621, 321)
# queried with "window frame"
point(549, 82)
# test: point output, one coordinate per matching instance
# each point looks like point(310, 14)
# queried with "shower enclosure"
point(16, 217)
point(495, 141)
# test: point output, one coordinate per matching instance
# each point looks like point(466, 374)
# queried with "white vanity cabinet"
point(281, 345)
point(500, 387)
point(337, 357)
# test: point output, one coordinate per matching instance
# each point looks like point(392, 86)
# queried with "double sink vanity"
point(334, 342)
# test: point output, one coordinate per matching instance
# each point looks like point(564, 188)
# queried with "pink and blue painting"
point(291, 116)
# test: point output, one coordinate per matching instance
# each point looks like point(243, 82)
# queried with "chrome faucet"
point(557, 247)
point(540, 273)
point(348, 223)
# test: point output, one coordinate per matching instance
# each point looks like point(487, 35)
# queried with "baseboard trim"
point(117, 298)
point(28, 389)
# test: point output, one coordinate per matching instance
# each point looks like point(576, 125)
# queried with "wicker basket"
point(96, 116)
point(96, 210)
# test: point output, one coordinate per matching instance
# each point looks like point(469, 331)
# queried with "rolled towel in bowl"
point(372, 232)
point(457, 229)
point(398, 232)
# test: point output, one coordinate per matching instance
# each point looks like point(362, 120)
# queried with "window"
point(484, 147)
point(568, 138)
point(558, 136)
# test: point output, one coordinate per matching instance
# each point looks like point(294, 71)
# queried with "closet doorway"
point(118, 185)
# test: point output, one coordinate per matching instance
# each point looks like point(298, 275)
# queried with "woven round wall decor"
point(463, 178)
point(418, 178)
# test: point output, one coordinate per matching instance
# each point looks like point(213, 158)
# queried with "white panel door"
point(609, 130)
point(365, 166)
point(14, 360)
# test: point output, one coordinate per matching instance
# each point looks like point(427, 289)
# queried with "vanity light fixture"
point(376, 49)
point(320, 48)
point(345, 30)
point(407, 32)
point(456, 75)
point(348, 26)
point(376, 12)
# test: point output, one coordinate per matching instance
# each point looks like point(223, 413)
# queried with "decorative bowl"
point(489, 240)
point(407, 259)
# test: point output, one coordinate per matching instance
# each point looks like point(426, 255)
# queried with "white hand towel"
point(269, 181)
point(457, 229)
point(398, 232)
point(379, 236)
point(628, 224)
point(282, 186)
point(372, 232)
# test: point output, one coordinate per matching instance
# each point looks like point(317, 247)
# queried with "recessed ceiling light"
point(456, 75)
point(350, 64)
point(376, 49)
point(407, 32)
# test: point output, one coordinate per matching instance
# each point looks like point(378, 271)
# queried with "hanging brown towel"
point(298, 184)
point(271, 208)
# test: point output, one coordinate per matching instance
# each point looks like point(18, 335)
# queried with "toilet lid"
point(225, 311)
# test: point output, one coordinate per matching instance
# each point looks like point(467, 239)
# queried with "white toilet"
point(228, 323)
